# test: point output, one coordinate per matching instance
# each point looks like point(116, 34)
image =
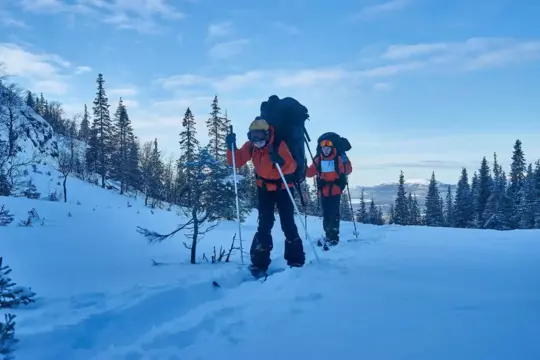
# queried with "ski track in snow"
point(392, 293)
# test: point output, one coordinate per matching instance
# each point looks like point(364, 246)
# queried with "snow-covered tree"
point(31, 191)
point(6, 217)
point(415, 217)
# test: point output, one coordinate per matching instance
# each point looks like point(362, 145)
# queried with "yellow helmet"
point(259, 124)
point(258, 129)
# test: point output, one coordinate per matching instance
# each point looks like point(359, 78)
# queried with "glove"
point(276, 158)
point(230, 140)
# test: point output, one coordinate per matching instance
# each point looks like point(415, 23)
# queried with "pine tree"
point(345, 211)
point(434, 213)
point(414, 210)
point(391, 215)
point(536, 182)
point(156, 189)
point(361, 214)
point(100, 147)
point(449, 208)
point(217, 132)
point(463, 208)
point(374, 214)
point(526, 211)
point(474, 195)
point(84, 132)
point(134, 172)
point(122, 133)
point(485, 184)
point(31, 191)
point(189, 146)
point(30, 100)
point(401, 213)
point(517, 177)
point(498, 208)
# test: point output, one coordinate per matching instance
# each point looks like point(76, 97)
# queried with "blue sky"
point(416, 85)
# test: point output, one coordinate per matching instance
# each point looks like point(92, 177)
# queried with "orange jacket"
point(328, 172)
point(267, 172)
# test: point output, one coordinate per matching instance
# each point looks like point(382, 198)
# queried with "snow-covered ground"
point(393, 293)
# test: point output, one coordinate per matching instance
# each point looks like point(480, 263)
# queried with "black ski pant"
point(262, 243)
point(331, 215)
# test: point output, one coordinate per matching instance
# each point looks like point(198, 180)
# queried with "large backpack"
point(287, 116)
point(341, 145)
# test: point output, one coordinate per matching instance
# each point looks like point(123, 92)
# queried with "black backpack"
point(341, 145)
point(287, 116)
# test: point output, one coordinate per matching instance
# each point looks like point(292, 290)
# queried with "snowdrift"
point(393, 293)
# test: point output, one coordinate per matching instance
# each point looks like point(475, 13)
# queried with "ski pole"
point(236, 195)
point(297, 212)
point(352, 211)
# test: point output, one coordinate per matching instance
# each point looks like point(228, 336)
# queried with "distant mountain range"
point(385, 194)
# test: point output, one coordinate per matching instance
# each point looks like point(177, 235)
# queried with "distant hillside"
point(385, 194)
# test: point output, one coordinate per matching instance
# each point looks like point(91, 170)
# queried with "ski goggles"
point(258, 135)
point(328, 143)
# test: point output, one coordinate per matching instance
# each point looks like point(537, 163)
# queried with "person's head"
point(259, 132)
point(326, 147)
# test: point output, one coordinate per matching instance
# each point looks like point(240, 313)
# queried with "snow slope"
point(394, 293)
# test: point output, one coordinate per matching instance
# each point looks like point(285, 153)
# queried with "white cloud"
point(183, 80)
point(228, 49)
point(38, 69)
point(220, 29)
point(82, 69)
point(131, 104)
point(310, 77)
point(138, 15)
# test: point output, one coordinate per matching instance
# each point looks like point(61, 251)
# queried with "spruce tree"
point(189, 146)
point(361, 214)
point(434, 213)
point(463, 208)
point(84, 132)
point(536, 182)
point(217, 132)
point(415, 217)
point(101, 140)
point(391, 215)
point(401, 213)
point(156, 189)
point(30, 100)
point(345, 209)
point(517, 177)
point(122, 134)
point(498, 207)
point(483, 192)
point(449, 208)
point(374, 214)
point(526, 211)
point(134, 173)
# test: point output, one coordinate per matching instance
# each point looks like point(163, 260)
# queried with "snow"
point(393, 293)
